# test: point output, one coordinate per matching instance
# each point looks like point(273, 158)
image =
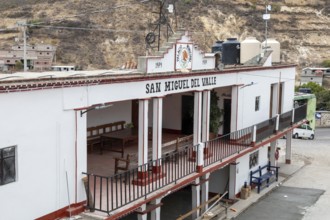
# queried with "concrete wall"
point(243, 174)
point(324, 121)
point(219, 180)
point(45, 136)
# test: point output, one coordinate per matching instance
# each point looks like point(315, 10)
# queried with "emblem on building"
point(183, 56)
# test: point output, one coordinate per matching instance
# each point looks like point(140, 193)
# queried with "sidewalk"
point(285, 172)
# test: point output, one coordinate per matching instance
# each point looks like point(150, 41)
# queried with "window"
point(254, 158)
point(257, 104)
point(7, 165)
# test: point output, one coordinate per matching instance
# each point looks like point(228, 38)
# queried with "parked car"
point(304, 131)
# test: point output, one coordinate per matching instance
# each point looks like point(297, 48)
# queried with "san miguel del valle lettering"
point(179, 84)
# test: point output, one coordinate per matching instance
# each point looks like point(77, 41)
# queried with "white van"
point(304, 131)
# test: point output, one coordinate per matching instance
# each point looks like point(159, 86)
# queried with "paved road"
point(308, 190)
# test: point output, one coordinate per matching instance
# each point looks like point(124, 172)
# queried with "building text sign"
point(183, 56)
point(180, 84)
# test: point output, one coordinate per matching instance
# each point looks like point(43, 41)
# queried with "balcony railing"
point(108, 193)
point(227, 145)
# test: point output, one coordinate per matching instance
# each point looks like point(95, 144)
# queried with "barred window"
point(7, 165)
point(254, 158)
point(257, 103)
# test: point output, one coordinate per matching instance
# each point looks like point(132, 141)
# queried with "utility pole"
point(266, 17)
point(23, 25)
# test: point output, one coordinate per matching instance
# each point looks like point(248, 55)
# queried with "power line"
point(84, 28)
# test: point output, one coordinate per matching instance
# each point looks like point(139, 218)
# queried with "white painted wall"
point(45, 139)
point(243, 174)
point(119, 111)
point(219, 180)
point(262, 81)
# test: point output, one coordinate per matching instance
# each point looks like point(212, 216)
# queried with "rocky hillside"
point(302, 26)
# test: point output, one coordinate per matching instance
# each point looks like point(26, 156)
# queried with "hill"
point(302, 28)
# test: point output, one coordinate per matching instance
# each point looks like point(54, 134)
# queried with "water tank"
point(231, 51)
point(276, 47)
point(217, 47)
point(250, 47)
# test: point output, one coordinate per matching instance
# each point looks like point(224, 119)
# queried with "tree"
point(215, 113)
point(323, 100)
point(326, 63)
point(19, 65)
point(316, 88)
point(322, 95)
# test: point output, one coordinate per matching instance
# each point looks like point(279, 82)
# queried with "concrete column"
point(205, 191)
point(157, 131)
point(142, 216)
point(155, 214)
point(233, 169)
point(197, 117)
point(288, 153)
point(143, 132)
point(272, 153)
point(275, 99)
point(235, 119)
point(196, 197)
point(206, 116)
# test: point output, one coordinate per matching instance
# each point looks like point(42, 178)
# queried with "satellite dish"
point(150, 38)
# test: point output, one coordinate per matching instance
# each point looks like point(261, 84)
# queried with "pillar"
point(205, 190)
point(272, 153)
point(288, 153)
point(143, 136)
point(142, 216)
point(197, 117)
point(233, 169)
point(195, 188)
point(206, 116)
point(235, 106)
point(155, 214)
point(157, 133)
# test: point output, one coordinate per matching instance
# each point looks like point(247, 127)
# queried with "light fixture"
point(95, 107)
point(250, 84)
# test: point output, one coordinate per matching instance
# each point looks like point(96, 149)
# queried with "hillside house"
point(39, 57)
point(313, 74)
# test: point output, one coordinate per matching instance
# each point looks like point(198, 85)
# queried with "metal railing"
point(285, 120)
point(265, 129)
point(300, 113)
point(227, 145)
point(106, 194)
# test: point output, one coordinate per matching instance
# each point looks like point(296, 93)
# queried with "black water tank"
point(231, 51)
point(217, 47)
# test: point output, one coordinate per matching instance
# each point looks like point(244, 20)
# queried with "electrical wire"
point(84, 28)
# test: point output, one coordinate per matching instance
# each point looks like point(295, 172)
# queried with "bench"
point(263, 174)
point(94, 133)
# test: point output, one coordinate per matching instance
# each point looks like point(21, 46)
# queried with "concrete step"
point(92, 216)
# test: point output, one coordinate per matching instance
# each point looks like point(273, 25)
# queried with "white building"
point(313, 74)
point(45, 118)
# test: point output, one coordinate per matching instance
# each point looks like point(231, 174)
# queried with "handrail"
point(216, 202)
point(202, 205)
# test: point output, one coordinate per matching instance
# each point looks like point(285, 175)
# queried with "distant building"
point(313, 74)
point(39, 57)
point(63, 68)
